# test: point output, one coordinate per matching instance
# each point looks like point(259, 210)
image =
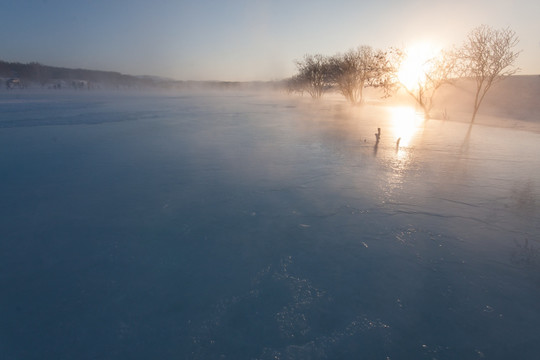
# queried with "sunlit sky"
point(241, 40)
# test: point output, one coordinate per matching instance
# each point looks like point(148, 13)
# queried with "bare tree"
point(388, 64)
point(487, 56)
point(354, 70)
point(436, 71)
point(313, 75)
point(296, 84)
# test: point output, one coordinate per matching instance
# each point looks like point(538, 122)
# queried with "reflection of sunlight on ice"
point(405, 123)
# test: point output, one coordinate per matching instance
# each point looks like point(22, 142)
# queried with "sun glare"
point(405, 123)
point(412, 72)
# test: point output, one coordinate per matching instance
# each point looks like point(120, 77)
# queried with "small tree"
point(436, 71)
point(487, 56)
point(296, 84)
point(313, 75)
point(354, 70)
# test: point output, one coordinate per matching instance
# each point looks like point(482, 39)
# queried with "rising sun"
point(413, 69)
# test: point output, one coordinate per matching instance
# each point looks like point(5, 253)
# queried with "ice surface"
point(249, 226)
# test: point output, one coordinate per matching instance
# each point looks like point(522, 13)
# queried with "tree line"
point(43, 75)
point(23, 75)
point(487, 56)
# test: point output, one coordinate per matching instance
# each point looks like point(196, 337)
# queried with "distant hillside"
point(35, 74)
point(50, 77)
point(515, 97)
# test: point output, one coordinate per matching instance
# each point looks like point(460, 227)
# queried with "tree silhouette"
point(487, 56)
point(354, 70)
point(313, 75)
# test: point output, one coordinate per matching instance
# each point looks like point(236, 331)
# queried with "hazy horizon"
point(242, 40)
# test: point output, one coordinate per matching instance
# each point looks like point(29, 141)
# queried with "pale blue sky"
point(241, 39)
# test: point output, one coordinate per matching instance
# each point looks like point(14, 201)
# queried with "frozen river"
point(241, 226)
